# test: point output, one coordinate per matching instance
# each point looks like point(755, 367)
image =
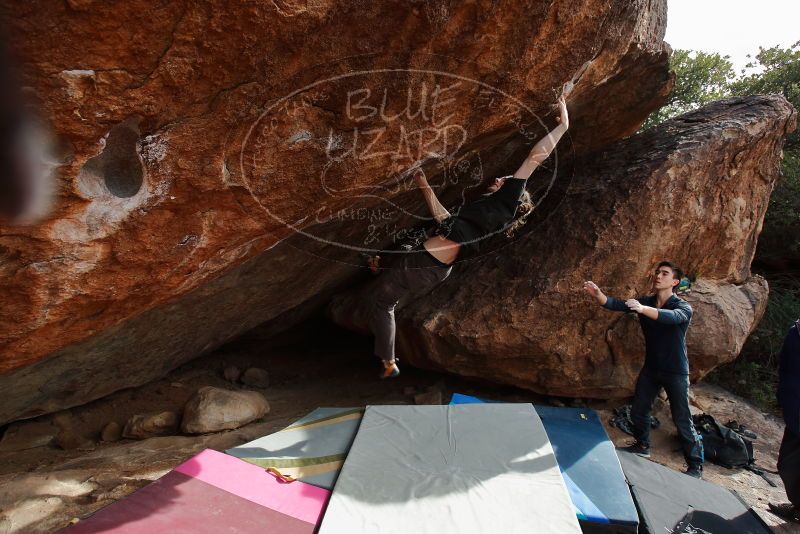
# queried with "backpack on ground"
point(722, 445)
point(729, 446)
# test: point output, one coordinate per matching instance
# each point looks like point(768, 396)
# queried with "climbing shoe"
point(390, 369)
point(373, 262)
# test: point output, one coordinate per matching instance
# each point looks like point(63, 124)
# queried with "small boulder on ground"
point(111, 432)
point(213, 409)
point(231, 373)
point(255, 377)
point(63, 419)
point(69, 439)
point(148, 426)
point(71, 432)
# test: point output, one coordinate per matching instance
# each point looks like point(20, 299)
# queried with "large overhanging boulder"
point(194, 143)
point(694, 190)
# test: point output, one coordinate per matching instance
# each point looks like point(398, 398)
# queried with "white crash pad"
point(460, 468)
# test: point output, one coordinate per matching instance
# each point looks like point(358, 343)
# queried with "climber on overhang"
point(504, 206)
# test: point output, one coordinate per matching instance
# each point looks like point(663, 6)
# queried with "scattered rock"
point(231, 373)
point(69, 436)
point(111, 432)
point(27, 435)
point(63, 419)
point(114, 494)
point(256, 377)
point(68, 439)
point(213, 409)
point(148, 426)
point(556, 402)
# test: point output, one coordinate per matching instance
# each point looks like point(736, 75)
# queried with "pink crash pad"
point(210, 493)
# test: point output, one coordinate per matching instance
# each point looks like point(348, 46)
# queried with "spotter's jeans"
point(648, 385)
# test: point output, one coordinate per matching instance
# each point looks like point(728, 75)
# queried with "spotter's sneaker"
point(639, 449)
point(695, 471)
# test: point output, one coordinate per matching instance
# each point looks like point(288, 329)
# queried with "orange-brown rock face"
point(693, 190)
point(196, 139)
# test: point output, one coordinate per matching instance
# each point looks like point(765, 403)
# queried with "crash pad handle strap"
point(280, 476)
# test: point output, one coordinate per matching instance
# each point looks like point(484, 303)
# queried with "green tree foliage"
point(777, 70)
point(700, 78)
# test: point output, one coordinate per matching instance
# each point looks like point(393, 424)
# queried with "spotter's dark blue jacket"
point(665, 337)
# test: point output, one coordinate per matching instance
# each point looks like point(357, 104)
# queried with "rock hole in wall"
point(117, 169)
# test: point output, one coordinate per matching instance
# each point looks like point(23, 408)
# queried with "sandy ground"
point(42, 488)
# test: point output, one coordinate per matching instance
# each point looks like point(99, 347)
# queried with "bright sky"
point(732, 27)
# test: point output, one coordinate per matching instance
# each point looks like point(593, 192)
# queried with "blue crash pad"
point(589, 465)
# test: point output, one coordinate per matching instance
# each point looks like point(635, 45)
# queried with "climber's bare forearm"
point(540, 152)
point(438, 211)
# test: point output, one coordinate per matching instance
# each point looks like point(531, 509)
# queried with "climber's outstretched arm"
point(541, 150)
point(438, 211)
